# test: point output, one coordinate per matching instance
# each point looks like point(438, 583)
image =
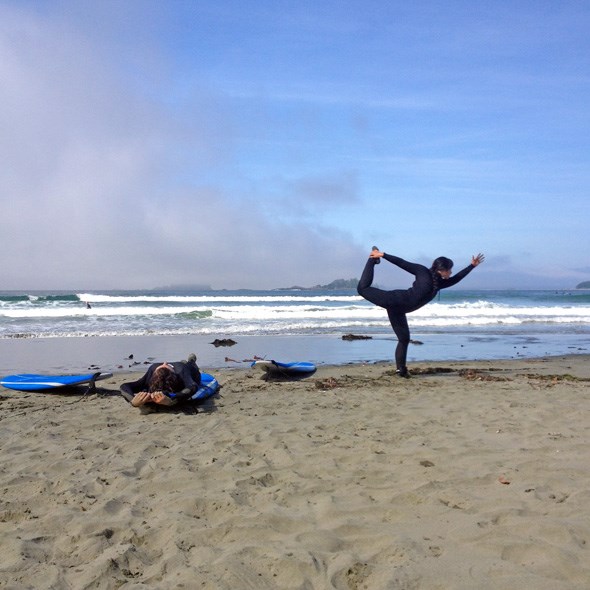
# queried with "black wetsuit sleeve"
point(443, 284)
point(129, 390)
point(191, 378)
point(411, 267)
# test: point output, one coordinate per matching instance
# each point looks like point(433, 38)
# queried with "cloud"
point(130, 161)
point(110, 188)
point(325, 191)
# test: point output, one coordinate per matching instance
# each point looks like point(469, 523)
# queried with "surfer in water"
point(428, 282)
point(164, 384)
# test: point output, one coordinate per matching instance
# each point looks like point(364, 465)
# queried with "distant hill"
point(584, 285)
point(338, 284)
point(183, 288)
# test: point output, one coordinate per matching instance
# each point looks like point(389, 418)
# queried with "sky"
point(270, 143)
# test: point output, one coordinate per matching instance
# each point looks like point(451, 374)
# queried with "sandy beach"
point(469, 475)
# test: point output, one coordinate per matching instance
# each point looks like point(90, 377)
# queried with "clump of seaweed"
point(431, 370)
point(478, 375)
point(554, 379)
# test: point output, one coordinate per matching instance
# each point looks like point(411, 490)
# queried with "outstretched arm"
point(475, 261)
point(410, 267)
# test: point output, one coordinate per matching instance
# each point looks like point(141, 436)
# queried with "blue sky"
point(268, 144)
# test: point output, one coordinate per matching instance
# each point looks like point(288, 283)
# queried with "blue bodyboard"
point(209, 386)
point(49, 383)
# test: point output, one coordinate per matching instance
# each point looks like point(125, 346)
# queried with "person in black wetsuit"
point(164, 384)
point(399, 302)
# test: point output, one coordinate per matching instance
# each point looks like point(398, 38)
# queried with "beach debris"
point(426, 463)
point(431, 370)
point(223, 342)
point(328, 383)
point(356, 337)
point(555, 379)
point(418, 342)
point(477, 375)
point(503, 480)
point(130, 357)
point(228, 360)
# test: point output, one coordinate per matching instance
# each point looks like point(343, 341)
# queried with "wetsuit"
point(188, 372)
point(399, 302)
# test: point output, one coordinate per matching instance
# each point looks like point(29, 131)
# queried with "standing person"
point(164, 384)
point(399, 302)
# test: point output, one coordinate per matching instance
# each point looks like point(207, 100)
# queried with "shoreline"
point(471, 472)
point(115, 353)
point(574, 367)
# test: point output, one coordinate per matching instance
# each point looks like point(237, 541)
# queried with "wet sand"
point(468, 475)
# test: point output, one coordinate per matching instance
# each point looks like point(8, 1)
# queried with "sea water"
point(300, 325)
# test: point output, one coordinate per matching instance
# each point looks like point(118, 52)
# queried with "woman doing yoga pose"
point(399, 302)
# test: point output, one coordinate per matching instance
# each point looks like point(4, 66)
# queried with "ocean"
point(295, 325)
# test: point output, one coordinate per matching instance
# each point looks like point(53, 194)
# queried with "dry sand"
point(467, 476)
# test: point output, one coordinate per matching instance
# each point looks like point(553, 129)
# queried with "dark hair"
point(165, 380)
point(442, 263)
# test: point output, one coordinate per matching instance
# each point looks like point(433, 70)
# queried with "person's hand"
point(141, 398)
point(477, 260)
point(161, 399)
point(376, 254)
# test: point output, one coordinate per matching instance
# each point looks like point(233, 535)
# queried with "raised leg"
point(364, 288)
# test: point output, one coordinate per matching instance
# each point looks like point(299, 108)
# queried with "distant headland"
point(584, 285)
point(187, 288)
point(338, 284)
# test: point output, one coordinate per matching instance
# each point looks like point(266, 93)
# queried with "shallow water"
point(111, 353)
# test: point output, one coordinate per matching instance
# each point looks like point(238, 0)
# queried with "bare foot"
point(375, 254)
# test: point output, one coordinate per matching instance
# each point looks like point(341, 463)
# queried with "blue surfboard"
point(48, 383)
point(208, 387)
point(286, 369)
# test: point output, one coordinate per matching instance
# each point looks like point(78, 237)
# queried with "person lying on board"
point(164, 384)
